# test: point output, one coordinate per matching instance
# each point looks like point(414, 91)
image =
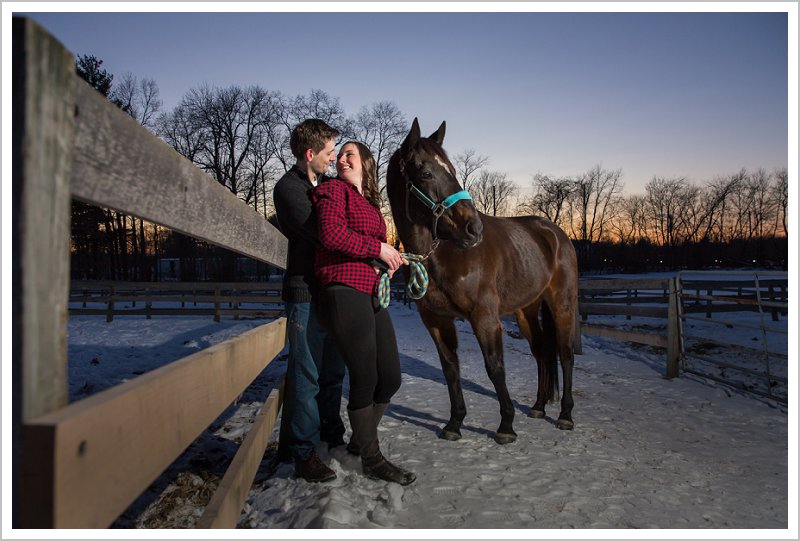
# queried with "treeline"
point(734, 220)
point(240, 137)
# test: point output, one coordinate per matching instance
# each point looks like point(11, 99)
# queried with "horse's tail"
point(551, 364)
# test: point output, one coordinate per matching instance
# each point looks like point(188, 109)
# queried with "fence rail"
point(79, 465)
point(159, 299)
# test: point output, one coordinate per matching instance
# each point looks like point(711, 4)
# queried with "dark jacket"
point(297, 220)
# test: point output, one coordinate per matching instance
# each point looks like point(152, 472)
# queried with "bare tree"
point(492, 191)
point(718, 196)
point(381, 127)
point(759, 192)
point(467, 164)
point(735, 208)
point(232, 119)
point(780, 197)
point(550, 198)
point(139, 98)
point(629, 225)
point(291, 111)
point(592, 203)
point(180, 131)
point(665, 198)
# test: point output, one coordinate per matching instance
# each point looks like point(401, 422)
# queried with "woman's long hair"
point(369, 174)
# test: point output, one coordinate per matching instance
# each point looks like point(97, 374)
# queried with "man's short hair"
point(312, 133)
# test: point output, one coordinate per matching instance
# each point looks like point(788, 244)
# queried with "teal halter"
point(436, 208)
point(439, 208)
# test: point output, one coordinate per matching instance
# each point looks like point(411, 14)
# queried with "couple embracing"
point(337, 243)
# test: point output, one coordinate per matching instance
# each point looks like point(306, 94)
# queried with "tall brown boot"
point(365, 434)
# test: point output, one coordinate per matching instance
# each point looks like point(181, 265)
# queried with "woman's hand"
point(391, 257)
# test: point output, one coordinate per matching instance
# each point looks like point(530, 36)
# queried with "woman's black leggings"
point(365, 338)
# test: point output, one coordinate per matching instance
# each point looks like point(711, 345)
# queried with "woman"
point(352, 231)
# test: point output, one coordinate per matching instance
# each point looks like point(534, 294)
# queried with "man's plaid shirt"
point(351, 231)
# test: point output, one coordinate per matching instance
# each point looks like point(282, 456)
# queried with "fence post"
point(628, 304)
point(673, 330)
point(110, 305)
point(43, 99)
point(148, 303)
point(772, 299)
point(216, 305)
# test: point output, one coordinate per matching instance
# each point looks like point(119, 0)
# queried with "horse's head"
point(433, 196)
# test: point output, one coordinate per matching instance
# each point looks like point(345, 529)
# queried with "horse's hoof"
point(450, 435)
point(503, 438)
point(536, 414)
point(565, 424)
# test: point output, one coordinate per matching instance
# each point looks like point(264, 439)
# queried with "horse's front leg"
point(489, 332)
point(443, 332)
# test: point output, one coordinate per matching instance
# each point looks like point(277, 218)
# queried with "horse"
point(481, 267)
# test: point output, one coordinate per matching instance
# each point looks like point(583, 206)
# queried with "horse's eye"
point(426, 174)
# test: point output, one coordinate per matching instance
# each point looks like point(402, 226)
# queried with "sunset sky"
point(671, 94)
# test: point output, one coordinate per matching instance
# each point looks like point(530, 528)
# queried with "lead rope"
point(417, 284)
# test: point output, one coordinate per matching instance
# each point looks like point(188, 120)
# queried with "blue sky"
point(667, 94)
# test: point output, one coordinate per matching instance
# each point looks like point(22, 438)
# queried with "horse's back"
point(550, 239)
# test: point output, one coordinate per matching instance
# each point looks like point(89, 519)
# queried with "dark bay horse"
point(482, 267)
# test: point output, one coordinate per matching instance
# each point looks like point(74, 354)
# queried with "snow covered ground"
point(645, 453)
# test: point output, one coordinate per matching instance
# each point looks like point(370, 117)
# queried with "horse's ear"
point(438, 135)
point(412, 137)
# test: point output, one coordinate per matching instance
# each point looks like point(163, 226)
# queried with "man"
point(315, 369)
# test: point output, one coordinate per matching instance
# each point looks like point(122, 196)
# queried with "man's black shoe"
point(313, 470)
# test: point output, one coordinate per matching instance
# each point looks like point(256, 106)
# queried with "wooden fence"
point(149, 299)
point(80, 465)
point(640, 297)
point(674, 300)
point(758, 364)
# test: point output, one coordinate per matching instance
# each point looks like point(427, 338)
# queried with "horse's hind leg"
point(489, 332)
point(443, 331)
point(564, 307)
point(544, 352)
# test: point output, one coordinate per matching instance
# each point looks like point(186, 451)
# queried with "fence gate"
point(735, 329)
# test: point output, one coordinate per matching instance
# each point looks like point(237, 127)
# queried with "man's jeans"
point(313, 383)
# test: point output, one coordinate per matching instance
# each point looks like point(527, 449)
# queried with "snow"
point(646, 452)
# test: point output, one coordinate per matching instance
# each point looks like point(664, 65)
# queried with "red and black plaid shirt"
point(351, 231)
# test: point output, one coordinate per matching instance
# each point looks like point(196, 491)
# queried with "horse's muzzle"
point(473, 233)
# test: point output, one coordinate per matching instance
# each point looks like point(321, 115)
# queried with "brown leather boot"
point(365, 433)
point(313, 469)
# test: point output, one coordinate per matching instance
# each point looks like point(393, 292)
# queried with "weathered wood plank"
point(100, 285)
point(106, 449)
point(43, 125)
point(616, 310)
point(176, 312)
point(121, 165)
point(42, 137)
point(628, 336)
point(622, 284)
point(260, 299)
point(225, 507)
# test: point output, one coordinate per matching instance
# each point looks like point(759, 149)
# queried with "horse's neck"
point(416, 239)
